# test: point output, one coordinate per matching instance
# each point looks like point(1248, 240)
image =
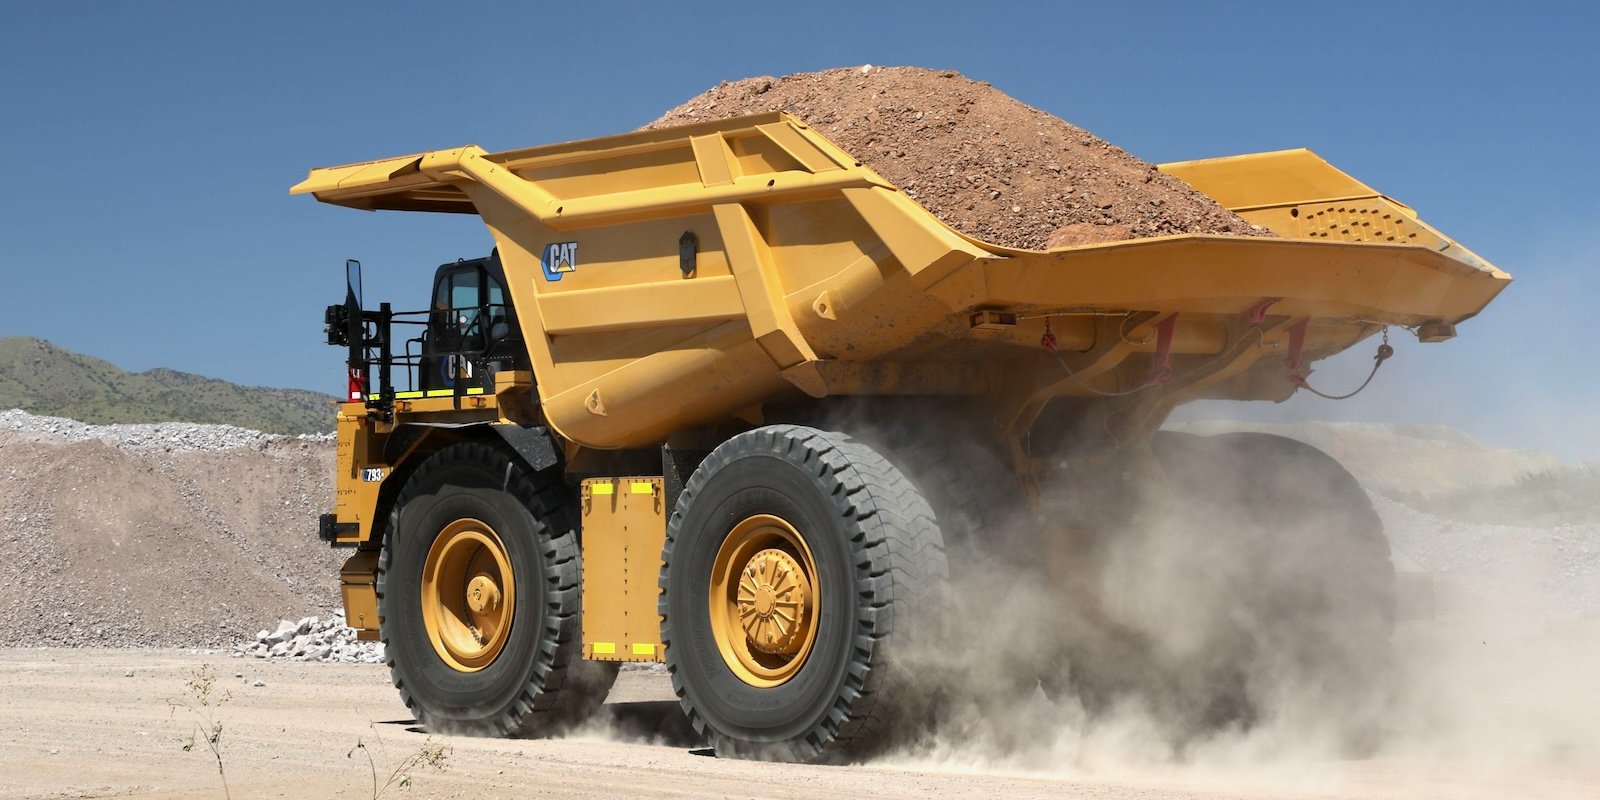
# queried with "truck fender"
point(534, 445)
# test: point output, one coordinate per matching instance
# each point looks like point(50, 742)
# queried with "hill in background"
point(1565, 495)
point(41, 378)
point(1401, 459)
point(1432, 468)
point(1444, 472)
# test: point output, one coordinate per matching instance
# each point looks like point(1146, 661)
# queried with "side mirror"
point(355, 327)
point(352, 281)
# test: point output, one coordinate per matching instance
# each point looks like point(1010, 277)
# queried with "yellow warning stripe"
point(644, 649)
point(599, 486)
point(605, 648)
point(435, 393)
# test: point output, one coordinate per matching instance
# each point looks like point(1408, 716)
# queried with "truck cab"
point(467, 333)
point(471, 330)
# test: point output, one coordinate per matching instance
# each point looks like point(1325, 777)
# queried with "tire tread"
point(562, 689)
point(899, 557)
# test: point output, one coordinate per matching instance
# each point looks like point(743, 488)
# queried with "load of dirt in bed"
point(989, 166)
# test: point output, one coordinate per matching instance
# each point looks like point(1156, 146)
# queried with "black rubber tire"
point(1307, 571)
point(966, 479)
point(881, 565)
point(1291, 486)
point(539, 684)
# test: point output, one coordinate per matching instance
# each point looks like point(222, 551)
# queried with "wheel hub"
point(483, 595)
point(774, 599)
point(468, 594)
point(764, 600)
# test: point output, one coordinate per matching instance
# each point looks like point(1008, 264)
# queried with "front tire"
point(789, 514)
point(478, 599)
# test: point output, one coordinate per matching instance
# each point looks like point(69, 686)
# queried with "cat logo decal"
point(559, 259)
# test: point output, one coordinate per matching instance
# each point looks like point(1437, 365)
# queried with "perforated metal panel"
point(1369, 221)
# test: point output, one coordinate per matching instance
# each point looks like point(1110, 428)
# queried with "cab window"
point(457, 294)
point(499, 326)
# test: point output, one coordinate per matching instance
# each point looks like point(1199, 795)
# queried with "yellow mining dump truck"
point(724, 398)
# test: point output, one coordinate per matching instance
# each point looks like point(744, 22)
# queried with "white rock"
point(284, 633)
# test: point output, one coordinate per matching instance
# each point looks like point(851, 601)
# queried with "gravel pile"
point(171, 437)
point(312, 639)
point(988, 165)
point(1398, 458)
point(1498, 570)
point(187, 536)
point(171, 535)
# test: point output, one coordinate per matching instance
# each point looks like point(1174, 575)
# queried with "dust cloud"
point(1235, 624)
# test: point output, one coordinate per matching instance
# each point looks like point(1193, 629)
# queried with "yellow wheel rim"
point(468, 594)
point(764, 601)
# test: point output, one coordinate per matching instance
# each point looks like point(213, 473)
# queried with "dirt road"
point(76, 724)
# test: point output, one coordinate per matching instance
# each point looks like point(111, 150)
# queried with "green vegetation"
point(202, 702)
point(1565, 495)
point(40, 378)
point(431, 755)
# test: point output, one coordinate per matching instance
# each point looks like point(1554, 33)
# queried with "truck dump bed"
point(678, 277)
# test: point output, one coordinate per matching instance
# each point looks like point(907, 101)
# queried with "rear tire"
point(522, 672)
point(1315, 598)
point(1271, 594)
point(876, 563)
point(1287, 487)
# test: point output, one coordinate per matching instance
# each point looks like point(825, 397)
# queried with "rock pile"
point(170, 437)
point(188, 535)
point(168, 535)
point(988, 165)
point(313, 639)
point(1493, 570)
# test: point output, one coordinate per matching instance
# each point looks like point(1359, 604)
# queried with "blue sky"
point(148, 222)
